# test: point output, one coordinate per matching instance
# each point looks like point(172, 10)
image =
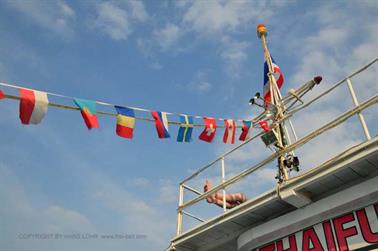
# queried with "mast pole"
point(275, 100)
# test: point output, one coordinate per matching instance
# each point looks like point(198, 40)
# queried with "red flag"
point(2, 95)
point(247, 126)
point(229, 132)
point(208, 133)
point(264, 125)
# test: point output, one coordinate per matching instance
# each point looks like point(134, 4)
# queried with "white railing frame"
point(357, 110)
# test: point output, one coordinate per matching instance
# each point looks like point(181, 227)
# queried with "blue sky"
point(194, 57)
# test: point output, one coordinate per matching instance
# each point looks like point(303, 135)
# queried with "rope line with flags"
point(34, 103)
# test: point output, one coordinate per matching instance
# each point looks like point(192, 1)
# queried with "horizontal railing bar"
point(333, 87)
point(289, 97)
point(219, 158)
point(289, 148)
point(363, 68)
point(193, 216)
point(191, 189)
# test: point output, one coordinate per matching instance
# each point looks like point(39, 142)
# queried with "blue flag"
point(186, 129)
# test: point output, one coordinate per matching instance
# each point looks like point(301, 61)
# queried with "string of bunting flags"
point(34, 106)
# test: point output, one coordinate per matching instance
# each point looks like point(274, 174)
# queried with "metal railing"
point(199, 196)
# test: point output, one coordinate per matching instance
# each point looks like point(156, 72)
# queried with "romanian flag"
point(186, 129)
point(229, 132)
point(2, 95)
point(208, 133)
point(161, 123)
point(246, 129)
point(33, 106)
point(278, 76)
point(125, 122)
point(88, 111)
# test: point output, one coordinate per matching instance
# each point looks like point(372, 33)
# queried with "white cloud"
point(217, 16)
point(328, 144)
point(203, 87)
point(133, 212)
point(56, 16)
point(234, 55)
point(141, 182)
point(21, 216)
point(219, 22)
point(146, 47)
point(65, 220)
point(314, 64)
point(327, 37)
point(66, 10)
point(341, 43)
point(200, 84)
point(112, 20)
point(167, 36)
point(168, 192)
point(137, 10)
point(25, 211)
point(117, 19)
point(182, 3)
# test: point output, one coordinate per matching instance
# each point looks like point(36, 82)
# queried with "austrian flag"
point(208, 133)
point(161, 123)
point(33, 106)
point(229, 132)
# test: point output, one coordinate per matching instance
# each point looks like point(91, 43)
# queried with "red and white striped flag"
point(229, 132)
point(33, 106)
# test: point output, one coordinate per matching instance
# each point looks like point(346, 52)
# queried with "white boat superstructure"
point(330, 207)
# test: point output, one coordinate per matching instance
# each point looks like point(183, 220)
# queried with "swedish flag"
point(186, 129)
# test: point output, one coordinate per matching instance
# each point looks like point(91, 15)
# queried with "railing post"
point(223, 180)
point(360, 116)
point(179, 210)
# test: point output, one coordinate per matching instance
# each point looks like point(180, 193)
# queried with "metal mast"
point(275, 104)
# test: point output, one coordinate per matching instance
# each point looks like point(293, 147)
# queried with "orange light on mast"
point(261, 30)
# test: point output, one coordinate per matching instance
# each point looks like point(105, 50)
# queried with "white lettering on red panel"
point(353, 230)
